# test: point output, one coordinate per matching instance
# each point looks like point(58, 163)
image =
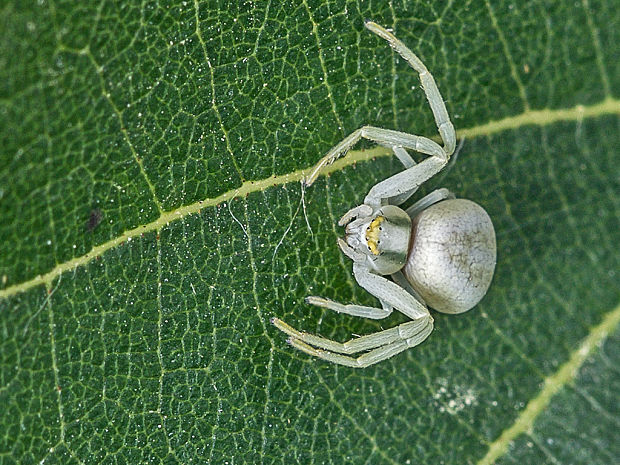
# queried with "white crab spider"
point(440, 251)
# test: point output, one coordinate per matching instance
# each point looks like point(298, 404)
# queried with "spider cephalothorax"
point(382, 237)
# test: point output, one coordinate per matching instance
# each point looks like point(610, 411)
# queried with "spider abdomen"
point(452, 255)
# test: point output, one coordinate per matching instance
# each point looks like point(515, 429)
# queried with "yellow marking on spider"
point(372, 234)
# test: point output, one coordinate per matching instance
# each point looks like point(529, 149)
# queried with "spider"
point(440, 252)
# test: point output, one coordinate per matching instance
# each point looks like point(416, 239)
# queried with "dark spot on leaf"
point(94, 219)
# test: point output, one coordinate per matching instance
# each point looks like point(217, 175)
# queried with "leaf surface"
point(153, 224)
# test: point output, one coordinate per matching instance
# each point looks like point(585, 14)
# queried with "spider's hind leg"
point(428, 200)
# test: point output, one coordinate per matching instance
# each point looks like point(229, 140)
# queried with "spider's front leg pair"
point(380, 345)
point(363, 224)
point(399, 187)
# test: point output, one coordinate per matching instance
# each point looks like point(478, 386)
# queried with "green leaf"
point(577, 426)
point(152, 224)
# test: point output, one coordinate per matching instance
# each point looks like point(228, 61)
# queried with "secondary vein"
point(552, 384)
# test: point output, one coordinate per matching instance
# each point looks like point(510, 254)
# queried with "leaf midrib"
point(528, 118)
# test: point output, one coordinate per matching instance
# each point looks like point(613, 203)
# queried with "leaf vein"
point(509, 58)
point(119, 115)
point(213, 99)
point(353, 421)
point(52, 328)
point(566, 373)
point(597, 48)
point(323, 67)
point(529, 118)
point(265, 331)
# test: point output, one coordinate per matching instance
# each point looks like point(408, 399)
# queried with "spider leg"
point(350, 251)
point(401, 186)
point(386, 137)
point(390, 292)
point(428, 200)
point(399, 278)
point(408, 162)
point(355, 310)
point(403, 332)
point(381, 345)
point(378, 355)
point(436, 102)
point(373, 356)
point(398, 139)
point(403, 156)
point(356, 212)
